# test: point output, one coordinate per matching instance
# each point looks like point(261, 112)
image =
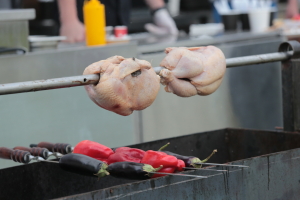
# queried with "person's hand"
point(74, 31)
point(164, 24)
point(292, 9)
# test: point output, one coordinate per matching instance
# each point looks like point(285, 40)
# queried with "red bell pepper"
point(180, 165)
point(126, 154)
point(156, 159)
point(93, 149)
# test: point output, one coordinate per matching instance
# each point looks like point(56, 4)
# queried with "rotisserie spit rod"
point(32, 86)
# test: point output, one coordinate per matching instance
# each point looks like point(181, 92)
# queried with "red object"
point(296, 17)
point(120, 31)
point(157, 158)
point(180, 165)
point(93, 149)
point(126, 154)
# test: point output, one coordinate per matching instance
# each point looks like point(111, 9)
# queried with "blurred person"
point(292, 9)
point(117, 13)
point(5, 4)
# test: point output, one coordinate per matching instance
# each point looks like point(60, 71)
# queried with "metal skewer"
point(73, 81)
point(49, 161)
point(215, 170)
point(224, 165)
point(36, 158)
point(175, 174)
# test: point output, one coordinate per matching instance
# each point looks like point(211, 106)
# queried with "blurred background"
point(36, 42)
point(187, 12)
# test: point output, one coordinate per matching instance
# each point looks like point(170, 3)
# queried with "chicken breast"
point(125, 85)
point(192, 71)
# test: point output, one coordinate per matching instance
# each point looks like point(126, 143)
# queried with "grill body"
point(273, 158)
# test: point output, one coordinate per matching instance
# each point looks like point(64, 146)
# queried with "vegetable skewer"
point(190, 161)
point(82, 164)
point(87, 166)
point(65, 148)
point(194, 162)
point(132, 170)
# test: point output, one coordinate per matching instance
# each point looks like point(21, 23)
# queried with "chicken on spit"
point(130, 84)
point(192, 71)
point(125, 85)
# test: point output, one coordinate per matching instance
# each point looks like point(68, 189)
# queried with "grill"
point(273, 158)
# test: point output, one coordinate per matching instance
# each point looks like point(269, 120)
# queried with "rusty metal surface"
point(291, 87)
point(269, 177)
point(291, 95)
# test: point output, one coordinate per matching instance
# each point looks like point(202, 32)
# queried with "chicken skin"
point(192, 71)
point(125, 85)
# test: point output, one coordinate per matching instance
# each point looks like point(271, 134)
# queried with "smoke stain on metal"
point(152, 183)
point(226, 184)
point(268, 157)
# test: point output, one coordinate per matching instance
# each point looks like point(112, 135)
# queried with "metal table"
point(14, 27)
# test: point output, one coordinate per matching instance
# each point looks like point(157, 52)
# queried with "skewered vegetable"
point(82, 164)
point(126, 154)
point(180, 166)
point(190, 161)
point(93, 149)
point(131, 170)
point(156, 159)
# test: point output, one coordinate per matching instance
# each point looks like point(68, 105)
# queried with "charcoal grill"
point(273, 158)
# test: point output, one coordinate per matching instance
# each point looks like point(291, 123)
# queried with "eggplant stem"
point(163, 147)
point(159, 168)
point(206, 159)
